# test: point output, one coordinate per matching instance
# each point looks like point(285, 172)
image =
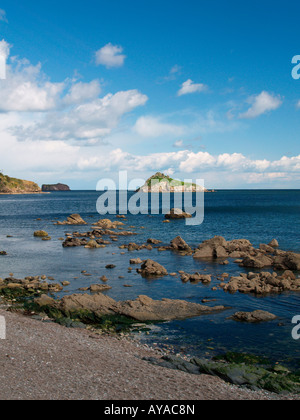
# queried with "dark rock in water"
point(110, 266)
point(179, 244)
point(74, 219)
point(254, 317)
point(3, 253)
point(55, 187)
point(151, 268)
point(142, 309)
point(262, 283)
point(178, 214)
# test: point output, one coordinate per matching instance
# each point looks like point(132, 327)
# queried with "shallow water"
point(258, 216)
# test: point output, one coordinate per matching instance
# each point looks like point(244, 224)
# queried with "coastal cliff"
point(55, 187)
point(17, 186)
point(161, 183)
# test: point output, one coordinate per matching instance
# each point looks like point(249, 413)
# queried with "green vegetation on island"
point(10, 185)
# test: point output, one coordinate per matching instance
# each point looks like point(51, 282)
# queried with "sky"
point(197, 89)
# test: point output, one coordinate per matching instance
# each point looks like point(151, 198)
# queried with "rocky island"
point(161, 183)
point(17, 186)
point(55, 187)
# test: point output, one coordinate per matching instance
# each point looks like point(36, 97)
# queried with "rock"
point(178, 244)
point(260, 261)
point(292, 261)
point(151, 268)
point(253, 317)
point(3, 253)
point(92, 244)
point(153, 241)
point(196, 278)
point(146, 309)
point(212, 248)
point(136, 261)
point(204, 252)
point(45, 300)
point(108, 224)
point(110, 266)
point(251, 376)
point(40, 234)
point(65, 283)
point(74, 219)
point(55, 187)
point(99, 288)
point(274, 243)
point(178, 214)
point(142, 309)
point(72, 242)
point(261, 283)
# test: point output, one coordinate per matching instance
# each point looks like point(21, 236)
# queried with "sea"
point(256, 215)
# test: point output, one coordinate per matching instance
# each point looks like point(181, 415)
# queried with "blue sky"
point(198, 89)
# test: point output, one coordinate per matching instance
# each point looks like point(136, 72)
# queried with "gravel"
point(45, 361)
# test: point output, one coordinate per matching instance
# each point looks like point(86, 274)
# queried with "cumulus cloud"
point(148, 126)
point(87, 121)
point(190, 87)
point(261, 104)
point(110, 56)
point(81, 92)
point(26, 89)
point(234, 165)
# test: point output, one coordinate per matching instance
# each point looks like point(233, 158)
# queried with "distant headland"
point(17, 186)
point(55, 187)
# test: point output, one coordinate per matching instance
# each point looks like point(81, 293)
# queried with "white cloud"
point(26, 89)
point(261, 104)
point(148, 126)
point(110, 56)
point(81, 92)
point(190, 87)
point(90, 121)
point(178, 144)
point(4, 49)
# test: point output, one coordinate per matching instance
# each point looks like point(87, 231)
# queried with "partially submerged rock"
point(151, 268)
point(74, 219)
point(262, 283)
point(40, 234)
point(108, 224)
point(196, 278)
point(178, 214)
point(179, 244)
point(141, 309)
point(254, 317)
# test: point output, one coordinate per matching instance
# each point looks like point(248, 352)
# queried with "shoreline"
point(47, 361)
point(25, 193)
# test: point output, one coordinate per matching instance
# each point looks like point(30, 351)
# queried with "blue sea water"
point(259, 216)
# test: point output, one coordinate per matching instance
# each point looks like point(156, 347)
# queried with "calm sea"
point(258, 216)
